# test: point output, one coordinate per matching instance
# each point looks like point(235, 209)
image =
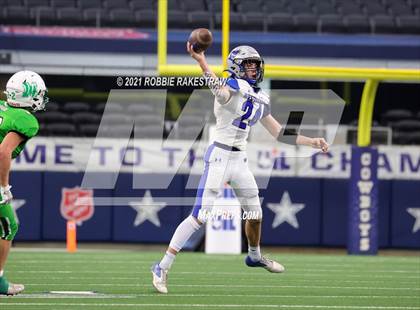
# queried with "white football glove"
point(6, 194)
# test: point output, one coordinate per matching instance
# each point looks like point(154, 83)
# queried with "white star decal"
point(285, 211)
point(147, 210)
point(416, 213)
point(16, 204)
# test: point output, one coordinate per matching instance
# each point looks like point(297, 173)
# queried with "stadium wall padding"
point(321, 222)
point(130, 40)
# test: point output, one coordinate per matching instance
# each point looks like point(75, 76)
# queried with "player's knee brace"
point(8, 225)
point(252, 208)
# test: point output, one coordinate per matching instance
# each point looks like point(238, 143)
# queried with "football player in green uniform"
point(26, 93)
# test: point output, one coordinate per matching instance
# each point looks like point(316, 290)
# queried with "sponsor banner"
point(153, 156)
point(69, 207)
point(405, 225)
point(27, 203)
point(224, 226)
point(363, 202)
point(147, 215)
point(399, 162)
point(60, 193)
point(76, 32)
point(297, 211)
point(334, 164)
point(335, 213)
point(291, 212)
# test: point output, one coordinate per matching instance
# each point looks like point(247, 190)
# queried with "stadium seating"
point(357, 24)
point(254, 21)
point(76, 107)
point(149, 132)
point(282, 22)
point(236, 21)
point(405, 125)
point(49, 117)
point(352, 16)
point(62, 129)
point(88, 130)
point(306, 22)
point(69, 16)
point(199, 19)
point(137, 109)
point(95, 16)
point(408, 24)
point(332, 23)
point(15, 15)
point(395, 115)
point(85, 118)
point(88, 4)
point(383, 24)
point(177, 19)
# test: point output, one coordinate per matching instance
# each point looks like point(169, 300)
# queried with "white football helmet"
point(239, 56)
point(26, 89)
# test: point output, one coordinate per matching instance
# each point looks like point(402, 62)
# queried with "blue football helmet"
point(241, 55)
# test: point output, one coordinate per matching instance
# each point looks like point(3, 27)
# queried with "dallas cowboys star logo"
point(416, 213)
point(16, 204)
point(147, 210)
point(285, 211)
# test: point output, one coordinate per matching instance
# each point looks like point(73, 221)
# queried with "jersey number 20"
point(242, 121)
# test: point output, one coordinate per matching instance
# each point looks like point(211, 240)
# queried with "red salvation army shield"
point(77, 204)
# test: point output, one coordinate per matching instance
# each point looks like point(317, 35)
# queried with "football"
point(200, 39)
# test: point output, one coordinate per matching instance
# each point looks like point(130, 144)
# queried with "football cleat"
point(7, 288)
point(160, 277)
point(268, 264)
point(15, 289)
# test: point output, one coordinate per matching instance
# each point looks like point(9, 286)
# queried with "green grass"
point(198, 281)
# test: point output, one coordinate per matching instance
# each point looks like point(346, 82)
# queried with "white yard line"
point(154, 295)
point(251, 276)
point(78, 260)
point(294, 273)
point(287, 255)
point(212, 306)
point(232, 285)
point(233, 259)
point(23, 264)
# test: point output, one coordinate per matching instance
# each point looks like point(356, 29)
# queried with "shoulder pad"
point(264, 97)
point(26, 124)
point(232, 83)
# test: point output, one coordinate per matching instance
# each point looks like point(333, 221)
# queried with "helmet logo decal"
point(30, 90)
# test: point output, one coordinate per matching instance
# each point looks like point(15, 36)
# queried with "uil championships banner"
point(153, 156)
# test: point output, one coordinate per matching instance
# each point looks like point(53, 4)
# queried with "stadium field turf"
point(122, 280)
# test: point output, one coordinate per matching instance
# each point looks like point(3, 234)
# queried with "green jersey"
point(17, 120)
